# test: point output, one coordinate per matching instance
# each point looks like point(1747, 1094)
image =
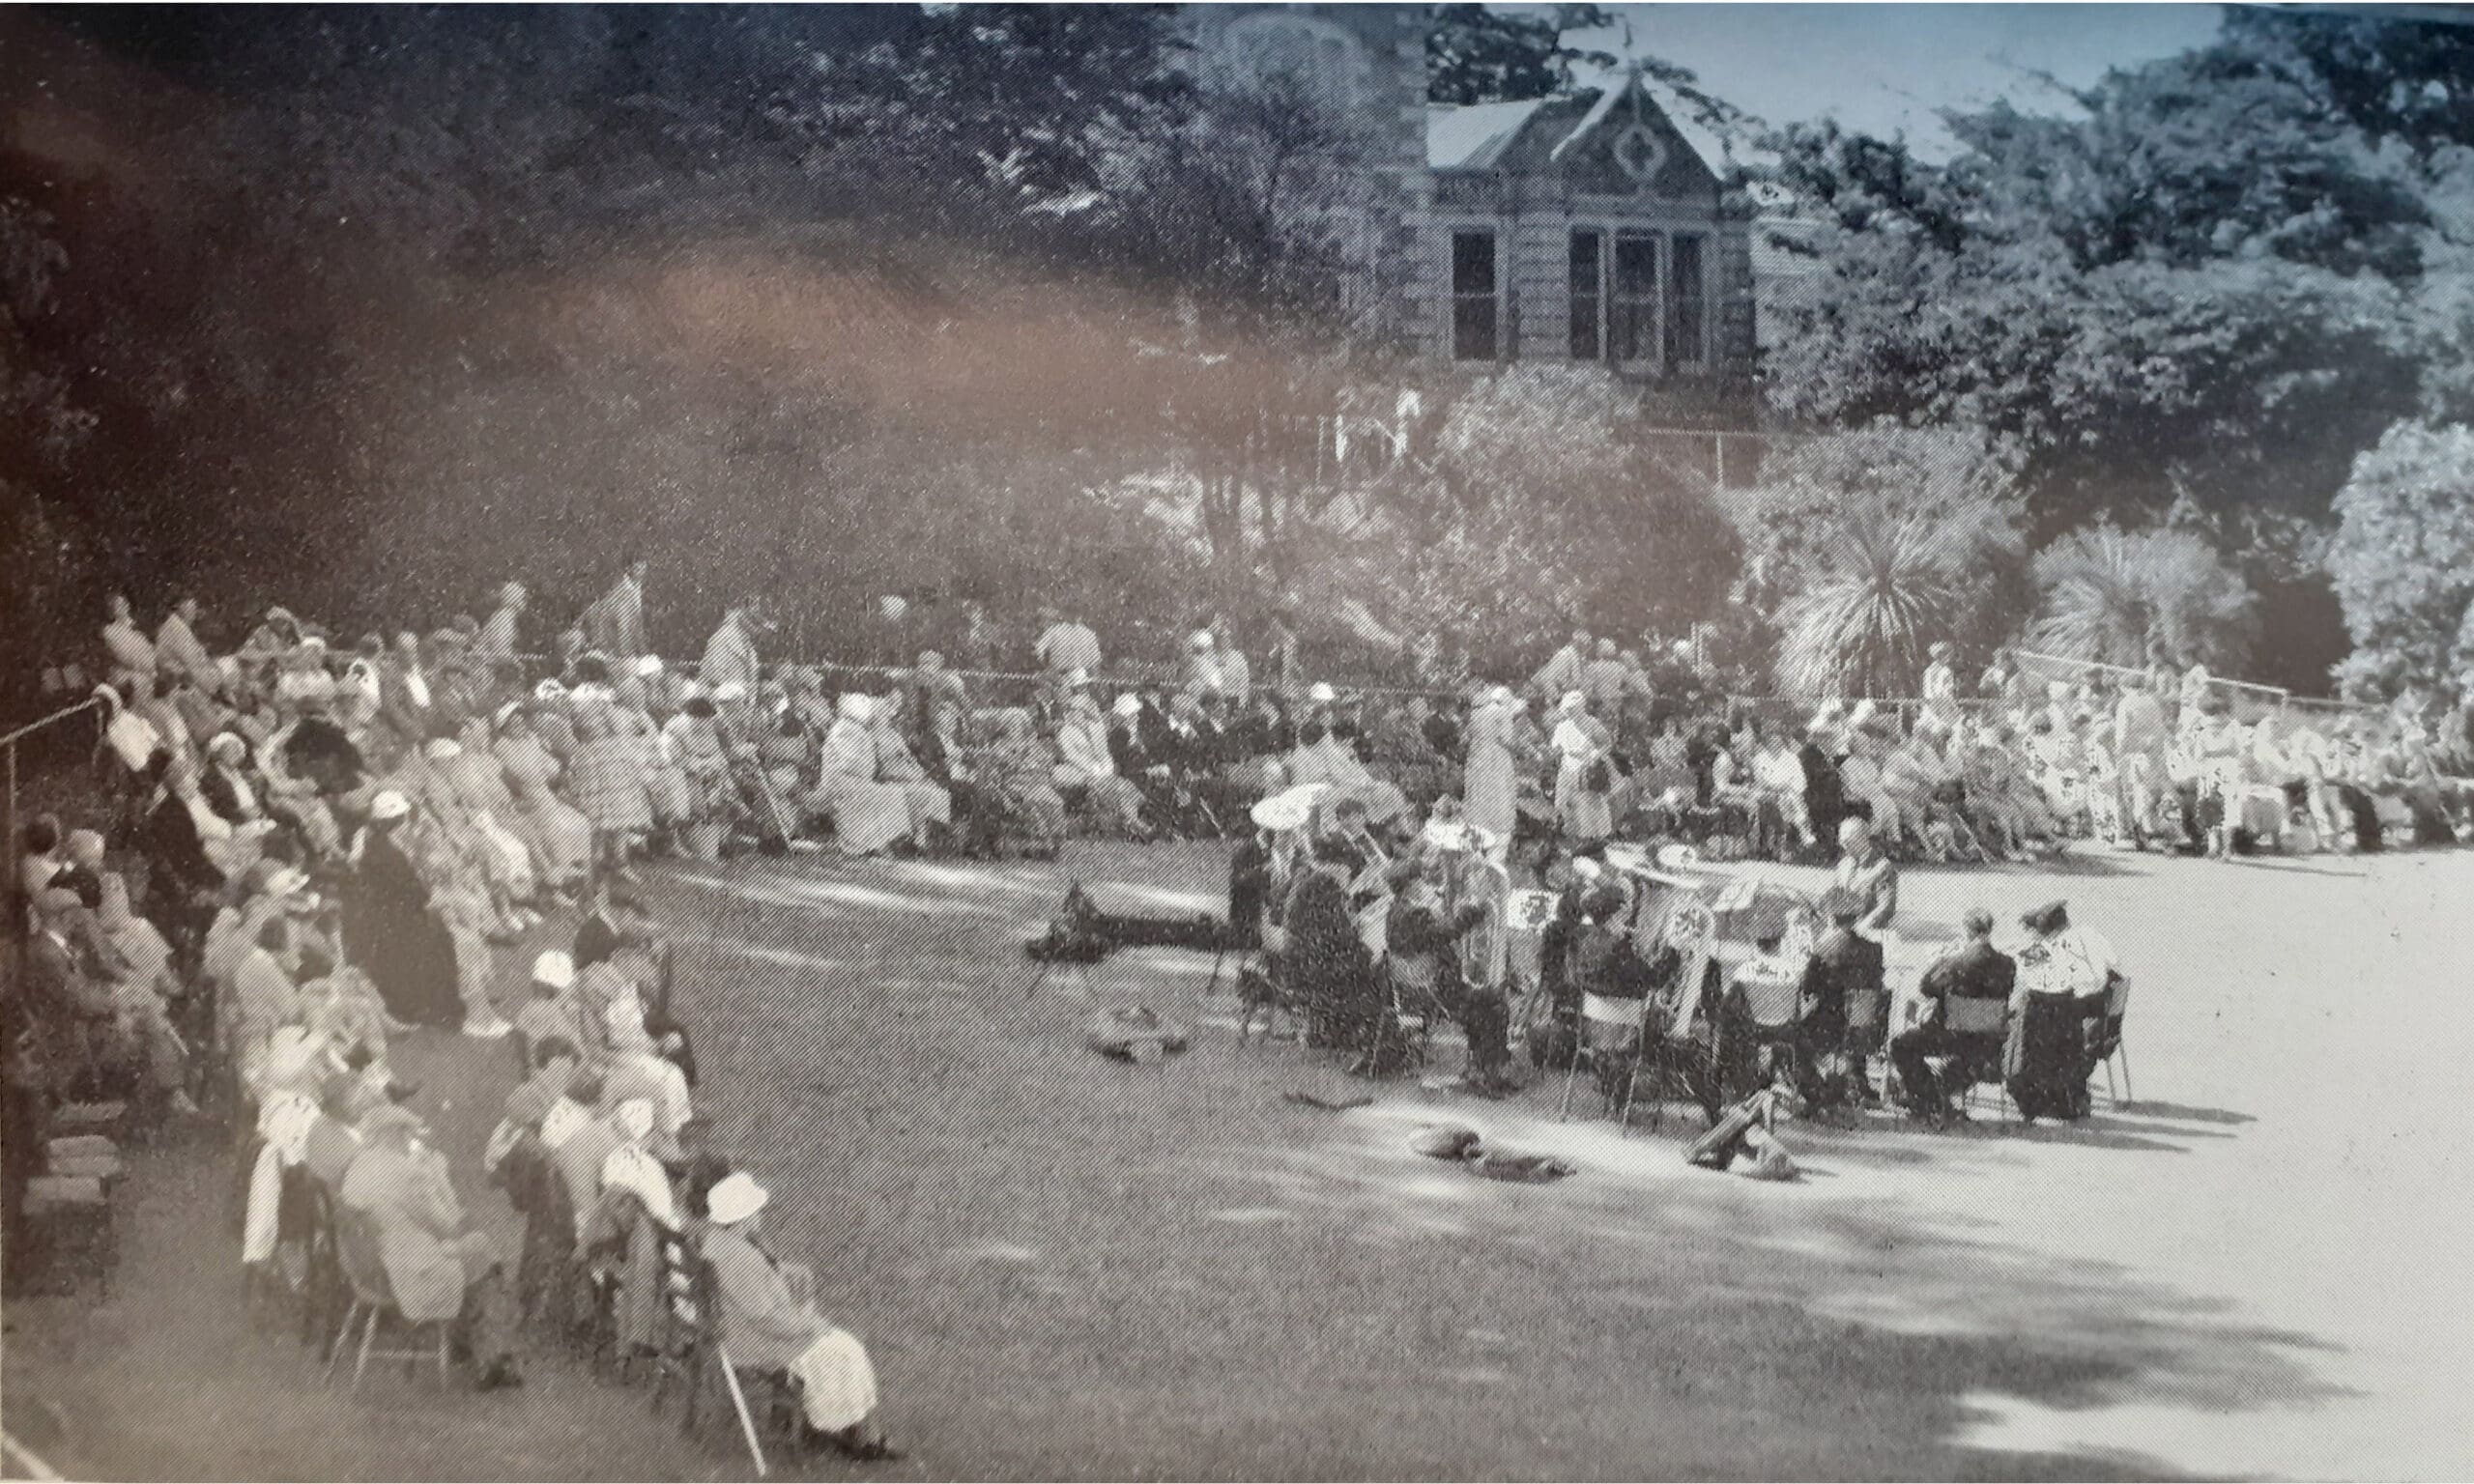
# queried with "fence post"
point(13, 799)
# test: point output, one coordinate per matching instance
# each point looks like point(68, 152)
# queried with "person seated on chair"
point(769, 1320)
point(1601, 962)
point(1326, 962)
point(2064, 981)
point(623, 930)
point(1843, 1003)
point(1867, 876)
point(1764, 996)
point(435, 1268)
point(553, 1012)
point(1977, 974)
point(1423, 964)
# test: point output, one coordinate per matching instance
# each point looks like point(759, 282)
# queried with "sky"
point(1886, 68)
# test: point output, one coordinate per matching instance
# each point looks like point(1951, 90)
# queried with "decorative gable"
point(1603, 142)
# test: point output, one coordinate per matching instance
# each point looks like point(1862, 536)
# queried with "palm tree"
point(1890, 585)
point(2119, 597)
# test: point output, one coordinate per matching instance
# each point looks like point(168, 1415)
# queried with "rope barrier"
point(11, 739)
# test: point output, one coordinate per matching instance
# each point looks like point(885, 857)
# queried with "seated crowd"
point(310, 857)
point(308, 851)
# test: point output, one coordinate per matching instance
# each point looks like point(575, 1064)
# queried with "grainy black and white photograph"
point(1236, 741)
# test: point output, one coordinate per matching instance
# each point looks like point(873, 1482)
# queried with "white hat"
point(1586, 868)
point(389, 804)
point(1128, 703)
point(1319, 691)
point(555, 969)
point(1284, 811)
point(1201, 639)
point(733, 1198)
point(730, 690)
point(549, 690)
point(649, 667)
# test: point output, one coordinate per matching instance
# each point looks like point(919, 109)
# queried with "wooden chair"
point(695, 1349)
point(63, 1206)
point(2105, 1044)
point(373, 1302)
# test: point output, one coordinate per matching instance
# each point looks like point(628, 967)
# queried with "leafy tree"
point(2402, 559)
point(2119, 597)
point(1480, 55)
point(1886, 588)
point(1864, 546)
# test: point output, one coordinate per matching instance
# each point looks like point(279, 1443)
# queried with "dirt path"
point(1071, 1268)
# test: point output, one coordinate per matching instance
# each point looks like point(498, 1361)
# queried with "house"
point(1591, 229)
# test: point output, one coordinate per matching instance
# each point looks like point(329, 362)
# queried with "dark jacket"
point(1842, 963)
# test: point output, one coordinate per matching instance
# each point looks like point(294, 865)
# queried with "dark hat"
point(2053, 917)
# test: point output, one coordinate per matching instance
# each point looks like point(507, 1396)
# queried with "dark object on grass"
point(1081, 933)
point(1310, 1101)
point(1135, 1034)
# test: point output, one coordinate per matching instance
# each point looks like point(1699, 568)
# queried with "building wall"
point(1410, 212)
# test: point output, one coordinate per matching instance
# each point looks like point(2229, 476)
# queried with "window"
point(1473, 296)
point(1632, 310)
point(1588, 293)
point(1686, 317)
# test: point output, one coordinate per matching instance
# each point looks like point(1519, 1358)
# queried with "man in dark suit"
point(69, 1011)
point(1843, 1005)
point(1968, 994)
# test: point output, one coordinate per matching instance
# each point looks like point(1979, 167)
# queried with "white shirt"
point(2074, 961)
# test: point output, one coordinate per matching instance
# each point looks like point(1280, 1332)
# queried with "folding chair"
point(1413, 1027)
point(373, 1302)
point(1963, 1016)
point(1613, 1016)
point(692, 1301)
point(2107, 1047)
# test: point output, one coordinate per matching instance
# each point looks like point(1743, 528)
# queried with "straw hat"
point(735, 1198)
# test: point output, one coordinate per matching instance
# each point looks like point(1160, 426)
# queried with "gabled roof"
point(1573, 134)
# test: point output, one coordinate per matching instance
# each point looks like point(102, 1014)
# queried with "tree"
point(2119, 597)
point(40, 428)
point(1886, 589)
point(1861, 546)
point(2402, 559)
point(1478, 54)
